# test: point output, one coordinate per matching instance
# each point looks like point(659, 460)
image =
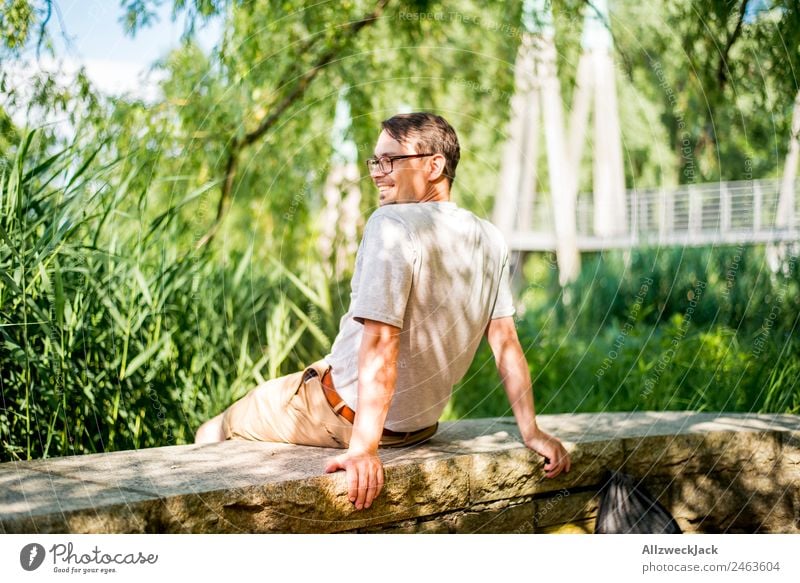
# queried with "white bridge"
point(546, 212)
point(719, 213)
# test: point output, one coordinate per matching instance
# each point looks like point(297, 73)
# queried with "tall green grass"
point(111, 336)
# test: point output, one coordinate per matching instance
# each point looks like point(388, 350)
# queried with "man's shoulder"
point(412, 213)
point(387, 217)
point(390, 211)
point(416, 217)
point(404, 217)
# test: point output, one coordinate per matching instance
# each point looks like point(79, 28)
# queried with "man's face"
point(406, 182)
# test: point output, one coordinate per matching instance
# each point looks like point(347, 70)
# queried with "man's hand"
point(364, 476)
point(556, 457)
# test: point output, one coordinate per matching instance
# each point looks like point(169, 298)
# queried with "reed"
point(112, 335)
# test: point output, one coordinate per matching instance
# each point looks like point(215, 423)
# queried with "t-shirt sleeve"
point(387, 259)
point(504, 306)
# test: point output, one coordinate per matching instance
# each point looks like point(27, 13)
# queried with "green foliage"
point(729, 285)
point(115, 332)
point(650, 369)
point(460, 63)
point(113, 337)
point(710, 329)
point(715, 72)
point(16, 19)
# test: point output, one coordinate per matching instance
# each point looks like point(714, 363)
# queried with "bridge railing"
point(697, 214)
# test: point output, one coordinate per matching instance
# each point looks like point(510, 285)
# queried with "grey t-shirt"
point(437, 272)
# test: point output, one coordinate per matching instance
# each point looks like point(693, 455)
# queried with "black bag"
point(626, 507)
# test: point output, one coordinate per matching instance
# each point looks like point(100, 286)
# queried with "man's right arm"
point(513, 368)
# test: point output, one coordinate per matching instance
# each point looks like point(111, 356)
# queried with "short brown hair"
point(426, 132)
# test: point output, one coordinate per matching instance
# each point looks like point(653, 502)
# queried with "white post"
point(563, 201)
point(695, 210)
point(610, 204)
point(725, 208)
point(506, 202)
point(667, 223)
point(786, 201)
point(529, 172)
point(758, 204)
point(578, 120)
point(609, 175)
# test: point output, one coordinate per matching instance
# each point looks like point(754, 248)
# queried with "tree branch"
point(723, 69)
point(43, 28)
point(309, 75)
point(225, 197)
point(294, 94)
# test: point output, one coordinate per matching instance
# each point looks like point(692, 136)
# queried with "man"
point(431, 280)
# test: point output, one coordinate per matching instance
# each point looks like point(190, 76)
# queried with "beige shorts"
point(293, 409)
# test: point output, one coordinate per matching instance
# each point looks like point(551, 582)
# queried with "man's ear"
point(437, 162)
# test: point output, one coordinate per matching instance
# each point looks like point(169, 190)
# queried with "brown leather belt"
point(335, 401)
point(340, 407)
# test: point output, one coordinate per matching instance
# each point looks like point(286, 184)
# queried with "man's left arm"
point(513, 368)
point(377, 377)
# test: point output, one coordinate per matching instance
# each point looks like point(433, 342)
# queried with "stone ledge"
point(715, 472)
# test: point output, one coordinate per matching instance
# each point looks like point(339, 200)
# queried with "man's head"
point(415, 159)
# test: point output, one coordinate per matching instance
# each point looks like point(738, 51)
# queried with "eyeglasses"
point(385, 164)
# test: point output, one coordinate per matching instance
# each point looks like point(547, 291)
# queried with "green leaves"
point(128, 340)
point(642, 334)
point(16, 19)
point(130, 337)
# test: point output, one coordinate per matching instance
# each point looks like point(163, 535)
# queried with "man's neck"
point(438, 193)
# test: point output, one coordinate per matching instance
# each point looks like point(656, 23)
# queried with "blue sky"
point(94, 28)
point(114, 60)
